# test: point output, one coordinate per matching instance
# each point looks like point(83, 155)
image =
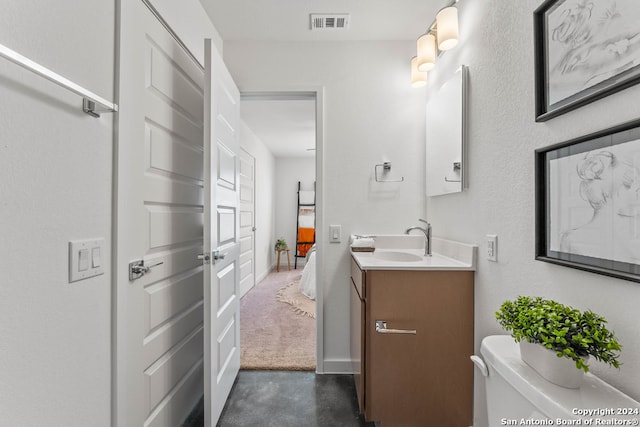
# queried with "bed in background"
point(308, 279)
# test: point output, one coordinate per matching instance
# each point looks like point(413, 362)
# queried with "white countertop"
point(447, 254)
point(371, 261)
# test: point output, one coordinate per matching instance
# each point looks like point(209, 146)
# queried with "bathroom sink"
point(396, 256)
point(406, 252)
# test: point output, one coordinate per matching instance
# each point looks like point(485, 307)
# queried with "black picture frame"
point(578, 59)
point(581, 204)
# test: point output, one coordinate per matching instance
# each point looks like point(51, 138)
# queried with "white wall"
point(371, 115)
point(265, 201)
point(290, 170)
point(55, 186)
point(500, 200)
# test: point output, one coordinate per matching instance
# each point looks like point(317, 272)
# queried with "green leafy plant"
point(565, 330)
point(281, 244)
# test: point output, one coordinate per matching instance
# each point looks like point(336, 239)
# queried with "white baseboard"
point(337, 366)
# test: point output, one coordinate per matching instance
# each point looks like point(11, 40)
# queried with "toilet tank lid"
point(502, 354)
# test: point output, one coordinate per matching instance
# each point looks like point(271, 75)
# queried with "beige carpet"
point(273, 334)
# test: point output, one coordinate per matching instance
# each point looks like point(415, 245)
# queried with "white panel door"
point(160, 200)
point(247, 221)
point(221, 234)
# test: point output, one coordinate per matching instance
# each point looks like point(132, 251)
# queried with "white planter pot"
point(558, 370)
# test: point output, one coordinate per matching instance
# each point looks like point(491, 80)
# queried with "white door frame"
point(318, 93)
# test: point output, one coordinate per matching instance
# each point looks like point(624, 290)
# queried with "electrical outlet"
point(492, 247)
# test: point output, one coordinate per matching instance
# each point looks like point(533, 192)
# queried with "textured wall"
point(55, 186)
point(497, 45)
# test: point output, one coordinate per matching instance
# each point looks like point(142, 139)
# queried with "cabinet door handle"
point(381, 328)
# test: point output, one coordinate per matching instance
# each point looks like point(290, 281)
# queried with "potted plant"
point(567, 332)
point(281, 244)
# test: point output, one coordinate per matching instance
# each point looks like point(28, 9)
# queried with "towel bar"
point(92, 103)
point(386, 167)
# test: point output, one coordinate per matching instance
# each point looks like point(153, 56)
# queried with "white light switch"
point(85, 259)
point(334, 233)
point(492, 247)
point(96, 261)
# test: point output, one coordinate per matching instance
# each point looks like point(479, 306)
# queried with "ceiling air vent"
point(330, 22)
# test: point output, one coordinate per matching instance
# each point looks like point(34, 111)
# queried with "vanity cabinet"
point(423, 379)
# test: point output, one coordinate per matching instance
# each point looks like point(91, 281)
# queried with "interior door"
point(247, 221)
point(160, 198)
point(221, 234)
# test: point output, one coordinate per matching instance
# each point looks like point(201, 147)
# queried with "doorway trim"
point(318, 93)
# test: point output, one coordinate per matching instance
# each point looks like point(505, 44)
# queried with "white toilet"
point(515, 392)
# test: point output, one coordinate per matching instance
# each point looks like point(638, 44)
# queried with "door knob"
point(217, 255)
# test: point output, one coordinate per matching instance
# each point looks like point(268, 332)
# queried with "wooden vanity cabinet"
point(421, 380)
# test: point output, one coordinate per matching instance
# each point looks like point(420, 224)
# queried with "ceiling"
point(288, 20)
point(287, 127)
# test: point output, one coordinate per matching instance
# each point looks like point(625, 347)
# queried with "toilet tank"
point(515, 392)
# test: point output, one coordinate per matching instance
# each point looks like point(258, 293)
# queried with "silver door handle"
point(381, 328)
point(217, 255)
point(204, 257)
point(137, 269)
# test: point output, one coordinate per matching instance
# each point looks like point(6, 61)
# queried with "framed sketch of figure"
point(584, 50)
point(588, 202)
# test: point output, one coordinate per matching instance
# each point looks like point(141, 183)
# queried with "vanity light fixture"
point(418, 78)
point(447, 27)
point(427, 52)
point(442, 35)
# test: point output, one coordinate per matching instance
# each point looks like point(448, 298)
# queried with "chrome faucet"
point(427, 236)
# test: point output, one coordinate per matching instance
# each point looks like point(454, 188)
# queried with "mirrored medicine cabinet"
point(446, 136)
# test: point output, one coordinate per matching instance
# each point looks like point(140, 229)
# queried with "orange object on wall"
point(305, 235)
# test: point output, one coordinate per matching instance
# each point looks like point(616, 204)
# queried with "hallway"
point(288, 399)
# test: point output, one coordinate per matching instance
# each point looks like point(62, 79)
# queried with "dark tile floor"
point(288, 399)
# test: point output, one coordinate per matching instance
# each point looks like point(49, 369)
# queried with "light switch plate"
point(492, 247)
point(335, 233)
point(85, 259)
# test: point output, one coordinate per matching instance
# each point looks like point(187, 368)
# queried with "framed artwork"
point(584, 50)
point(588, 202)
